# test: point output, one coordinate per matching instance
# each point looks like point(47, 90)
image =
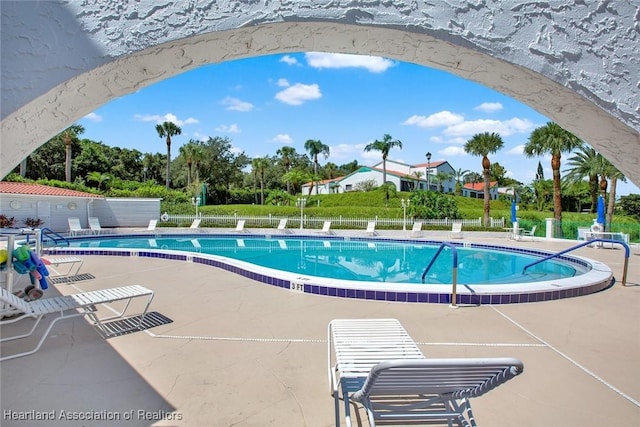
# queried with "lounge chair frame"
point(355, 346)
point(70, 306)
point(75, 229)
point(378, 365)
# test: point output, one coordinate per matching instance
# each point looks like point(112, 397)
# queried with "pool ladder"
point(454, 280)
point(627, 252)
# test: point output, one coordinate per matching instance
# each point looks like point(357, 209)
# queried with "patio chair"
point(430, 390)
point(94, 225)
point(416, 230)
point(75, 228)
point(355, 346)
point(371, 229)
point(282, 226)
point(195, 223)
point(326, 228)
point(240, 226)
point(456, 230)
point(528, 233)
point(70, 306)
point(74, 264)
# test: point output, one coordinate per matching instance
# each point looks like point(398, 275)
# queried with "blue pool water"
point(354, 260)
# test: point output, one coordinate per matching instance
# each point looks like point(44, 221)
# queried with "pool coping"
point(598, 278)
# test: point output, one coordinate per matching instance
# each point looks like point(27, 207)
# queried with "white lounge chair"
point(529, 233)
point(371, 228)
point(456, 230)
point(195, 223)
point(379, 365)
point(74, 265)
point(416, 230)
point(431, 390)
point(282, 226)
point(326, 228)
point(240, 226)
point(75, 228)
point(94, 225)
point(69, 306)
point(355, 346)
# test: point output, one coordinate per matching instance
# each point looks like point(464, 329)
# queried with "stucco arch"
point(596, 101)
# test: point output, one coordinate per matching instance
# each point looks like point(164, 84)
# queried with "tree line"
point(223, 170)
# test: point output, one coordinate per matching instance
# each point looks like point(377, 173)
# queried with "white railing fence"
point(271, 221)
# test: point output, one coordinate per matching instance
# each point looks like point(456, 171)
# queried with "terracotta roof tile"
point(42, 190)
point(479, 186)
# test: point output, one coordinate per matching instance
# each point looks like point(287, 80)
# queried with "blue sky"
point(264, 103)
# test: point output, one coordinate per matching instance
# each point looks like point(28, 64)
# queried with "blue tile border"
point(373, 295)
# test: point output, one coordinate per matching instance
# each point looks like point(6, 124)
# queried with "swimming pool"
point(377, 269)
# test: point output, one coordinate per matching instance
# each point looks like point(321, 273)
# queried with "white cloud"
point(235, 104)
point(346, 151)
point(489, 107)
point(282, 138)
point(299, 93)
point(453, 150)
point(442, 118)
point(517, 150)
point(93, 117)
point(283, 83)
point(289, 60)
point(200, 137)
point(232, 128)
point(374, 64)
point(169, 117)
point(502, 127)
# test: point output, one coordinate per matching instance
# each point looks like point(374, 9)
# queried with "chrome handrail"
point(455, 269)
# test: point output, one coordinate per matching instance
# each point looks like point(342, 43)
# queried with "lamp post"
point(405, 205)
point(301, 202)
point(195, 201)
point(428, 170)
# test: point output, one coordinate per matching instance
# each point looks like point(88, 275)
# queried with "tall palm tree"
point(384, 147)
point(483, 144)
point(168, 130)
point(585, 163)
point(68, 136)
point(188, 151)
point(316, 147)
point(286, 153)
point(259, 166)
point(553, 139)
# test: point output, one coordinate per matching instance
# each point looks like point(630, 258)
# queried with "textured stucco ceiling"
point(576, 64)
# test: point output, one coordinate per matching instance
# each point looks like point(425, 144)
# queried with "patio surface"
point(242, 353)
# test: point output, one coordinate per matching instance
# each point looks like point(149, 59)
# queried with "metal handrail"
point(455, 269)
point(627, 252)
point(49, 233)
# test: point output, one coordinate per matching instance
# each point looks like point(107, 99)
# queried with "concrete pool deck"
point(242, 353)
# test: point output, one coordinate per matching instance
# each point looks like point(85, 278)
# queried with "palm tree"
point(315, 147)
point(585, 163)
point(608, 170)
point(417, 175)
point(68, 136)
point(384, 147)
point(286, 153)
point(188, 151)
point(259, 166)
point(167, 130)
point(553, 139)
point(483, 144)
point(459, 175)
